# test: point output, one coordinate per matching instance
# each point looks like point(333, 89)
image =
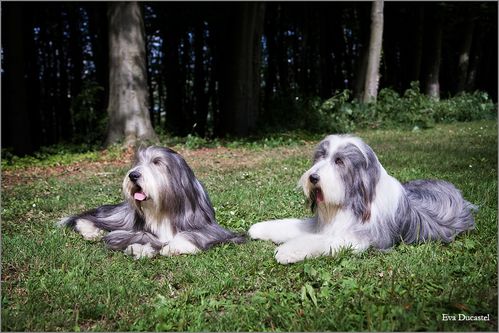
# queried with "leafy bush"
point(413, 109)
point(465, 107)
point(338, 114)
point(89, 122)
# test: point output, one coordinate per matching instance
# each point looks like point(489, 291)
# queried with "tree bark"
point(173, 77)
point(242, 75)
point(414, 47)
point(375, 45)
point(16, 127)
point(201, 98)
point(63, 113)
point(464, 54)
point(270, 33)
point(434, 55)
point(476, 58)
point(75, 52)
point(338, 48)
point(99, 36)
point(282, 53)
point(128, 94)
point(326, 53)
point(361, 15)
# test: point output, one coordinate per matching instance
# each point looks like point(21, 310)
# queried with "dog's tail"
point(434, 210)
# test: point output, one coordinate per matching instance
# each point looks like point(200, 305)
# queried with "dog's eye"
point(319, 154)
point(338, 161)
point(156, 161)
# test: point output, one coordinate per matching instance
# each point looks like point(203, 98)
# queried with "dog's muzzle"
point(137, 192)
point(316, 194)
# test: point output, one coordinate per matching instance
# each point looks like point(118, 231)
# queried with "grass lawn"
point(53, 280)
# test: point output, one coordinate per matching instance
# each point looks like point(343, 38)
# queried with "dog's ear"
point(364, 186)
point(362, 197)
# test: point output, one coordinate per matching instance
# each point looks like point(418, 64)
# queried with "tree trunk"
point(270, 33)
point(75, 53)
point(99, 37)
point(361, 15)
point(150, 88)
point(186, 78)
point(127, 109)
point(464, 55)
point(306, 48)
point(476, 58)
point(414, 48)
point(242, 75)
point(216, 42)
point(174, 85)
point(282, 53)
point(201, 99)
point(338, 45)
point(64, 119)
point(434, 55)
point(326, 53)
point(16, 129)
point(375, 45)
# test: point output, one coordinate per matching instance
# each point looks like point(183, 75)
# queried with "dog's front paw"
point(257, 231)
point(288, 254)
point(178, 245)
point(167, 251)
point(138, 251)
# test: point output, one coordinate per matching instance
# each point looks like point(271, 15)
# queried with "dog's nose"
point(314, 178)
point(134, 175)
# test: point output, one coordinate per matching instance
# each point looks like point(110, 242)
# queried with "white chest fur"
point(159, 226)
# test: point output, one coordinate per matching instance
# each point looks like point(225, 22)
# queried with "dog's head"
point(148, 181)
point(160, 180)
point(344, 175)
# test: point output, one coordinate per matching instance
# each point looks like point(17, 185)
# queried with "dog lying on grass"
point(166, 210)
point(358, 205)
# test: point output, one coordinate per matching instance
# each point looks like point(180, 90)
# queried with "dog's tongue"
point(140, 196)
point(319, 197)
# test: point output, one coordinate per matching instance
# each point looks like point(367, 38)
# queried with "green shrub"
point(413, 109)
point(90, 123)
point(465, 107)
point(338, 113)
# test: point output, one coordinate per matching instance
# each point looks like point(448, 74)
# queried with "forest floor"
point(54, 280)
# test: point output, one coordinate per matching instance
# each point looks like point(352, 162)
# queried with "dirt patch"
point(201, 160)
point(228, 159)
point(12, 178)
point(28, 175)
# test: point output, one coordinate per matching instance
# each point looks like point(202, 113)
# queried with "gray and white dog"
point(166, 210)
point(359, 205)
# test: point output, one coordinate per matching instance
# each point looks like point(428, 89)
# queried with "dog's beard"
point(319, 204)
point(315, 197)
point(136, 195)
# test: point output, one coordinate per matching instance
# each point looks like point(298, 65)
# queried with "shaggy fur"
point(358, 205)
point(166, 210)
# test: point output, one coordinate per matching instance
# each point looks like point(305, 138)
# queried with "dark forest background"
point(228, 69)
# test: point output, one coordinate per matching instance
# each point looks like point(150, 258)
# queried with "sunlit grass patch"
point(53, 280)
